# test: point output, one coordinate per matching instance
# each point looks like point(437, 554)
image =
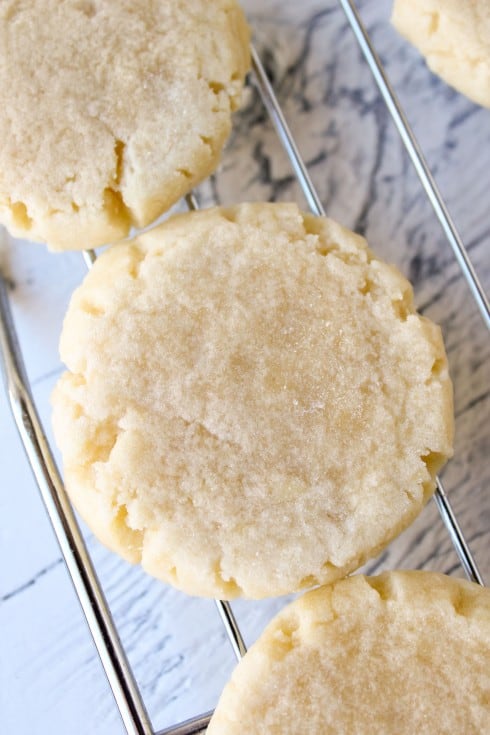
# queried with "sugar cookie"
point(454, 37)
point(252, 405)
point(111, 110)
point(404, 653)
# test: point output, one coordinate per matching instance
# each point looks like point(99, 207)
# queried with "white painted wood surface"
point(50, 678)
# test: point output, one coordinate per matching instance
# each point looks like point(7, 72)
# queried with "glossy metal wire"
point(66, 528)
point(190, 727)
point(417, 157)
point(89, 257)
point(456, 534)
point(78, 562)
point(276, 115)
point(232, 629)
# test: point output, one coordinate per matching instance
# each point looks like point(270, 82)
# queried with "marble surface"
point(51, 680)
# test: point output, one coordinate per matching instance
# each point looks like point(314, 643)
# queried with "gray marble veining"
point(50, 678)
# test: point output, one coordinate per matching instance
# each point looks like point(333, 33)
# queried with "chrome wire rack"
point(92, 599)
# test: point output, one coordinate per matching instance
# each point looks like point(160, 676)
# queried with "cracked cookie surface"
point(111, 110)
point(404, 653)
point(252, 405)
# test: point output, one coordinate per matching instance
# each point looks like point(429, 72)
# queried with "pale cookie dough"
point(111, 110)
point(405, 653)
point(454, 37)
point(252, 406)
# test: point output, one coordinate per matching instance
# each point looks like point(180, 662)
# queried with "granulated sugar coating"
point(252, 406)
point(404, 653)
point(111, 110)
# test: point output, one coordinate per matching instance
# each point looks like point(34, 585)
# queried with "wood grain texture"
point(50, 678)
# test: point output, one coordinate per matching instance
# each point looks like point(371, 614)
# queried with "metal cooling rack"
point(77, 559)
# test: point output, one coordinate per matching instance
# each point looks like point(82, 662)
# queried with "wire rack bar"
point(417, 157)
point(276, 114)
point(232, 629)
point(190, 727)
point(273, 107)
point(66, 528)
point(89, 257)
point(457, 537)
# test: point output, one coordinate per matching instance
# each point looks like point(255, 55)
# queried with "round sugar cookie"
point(111, 110)
point(251, 407)
point(454, 37)
point(398, 654)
